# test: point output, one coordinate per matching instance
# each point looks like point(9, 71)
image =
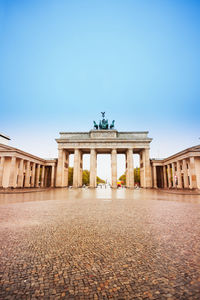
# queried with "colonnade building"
point(181, 170)
point(19, 169)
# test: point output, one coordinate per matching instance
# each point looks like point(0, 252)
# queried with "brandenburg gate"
point(101, 140)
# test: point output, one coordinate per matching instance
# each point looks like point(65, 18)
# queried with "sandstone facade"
point(21, 169)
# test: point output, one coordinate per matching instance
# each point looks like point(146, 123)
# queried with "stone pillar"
point(169, 176)
point(33, 175)
point(180, 185)
point(37, 176)
point(142, 169)
point(126, 169)
point(185, 174)
point(81, 170)
point(1, 170)
point(66, 168)
point(114, 168)
point(193, 175)
point(130, 169)
point(60, 168)
point(93, 163)
point(165, 177)
point(12, 177)
point(42, 176)
point(52, 176)
point(27, 174)
point(76, 174)
point(173, 175)
point(147, 169)
point(21, 173)
point(154, 178)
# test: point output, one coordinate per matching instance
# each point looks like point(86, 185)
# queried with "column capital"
point(113, 150)
point(92, 150)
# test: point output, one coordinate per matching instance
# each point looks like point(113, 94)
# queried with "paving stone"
point(72, 244)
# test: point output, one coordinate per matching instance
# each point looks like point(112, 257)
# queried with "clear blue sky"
point(63, 62)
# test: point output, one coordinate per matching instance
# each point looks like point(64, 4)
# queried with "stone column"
point(126, 169)
point(60, 169)
point(37, 176)
point(66, 168)
point(185, 174)
point(147, 169)
point(81, 170)
point(193, 176)
point(12, 177)
point(27, 174)
point(180, 185)
point(154, 178)
point(33, 175)
point(114, 168)
point(42, 176)
point(52, 176)
point(1, 170)
point(169, 176)
point(130, 169)
point(165, 177)
point(142, 169)
point(173, 175)
point(21, 173)
point(76, 174)
point(93, 175)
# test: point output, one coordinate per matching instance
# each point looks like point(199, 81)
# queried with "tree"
point(136, 176)
point(70, 176)
point(99, 180)
point(86, 177)
point(123, 179)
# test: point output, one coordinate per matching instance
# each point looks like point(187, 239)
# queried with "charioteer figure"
point(103, 124)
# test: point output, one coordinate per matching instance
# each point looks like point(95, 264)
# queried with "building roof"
point(5, 136)
point(191, 149)
point(9, 149)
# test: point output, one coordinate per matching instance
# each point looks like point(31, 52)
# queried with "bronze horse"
point(95, 125)
point(112, 125)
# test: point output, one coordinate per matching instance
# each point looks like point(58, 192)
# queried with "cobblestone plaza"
point(99, 244)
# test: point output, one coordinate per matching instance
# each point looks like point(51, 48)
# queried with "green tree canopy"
point(70, 176)
point(86, 177)
point(99, 180)
point(123, 179)
point(136, 176)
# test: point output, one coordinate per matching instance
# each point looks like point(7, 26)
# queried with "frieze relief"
point(108, 145)
point(104, 134)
